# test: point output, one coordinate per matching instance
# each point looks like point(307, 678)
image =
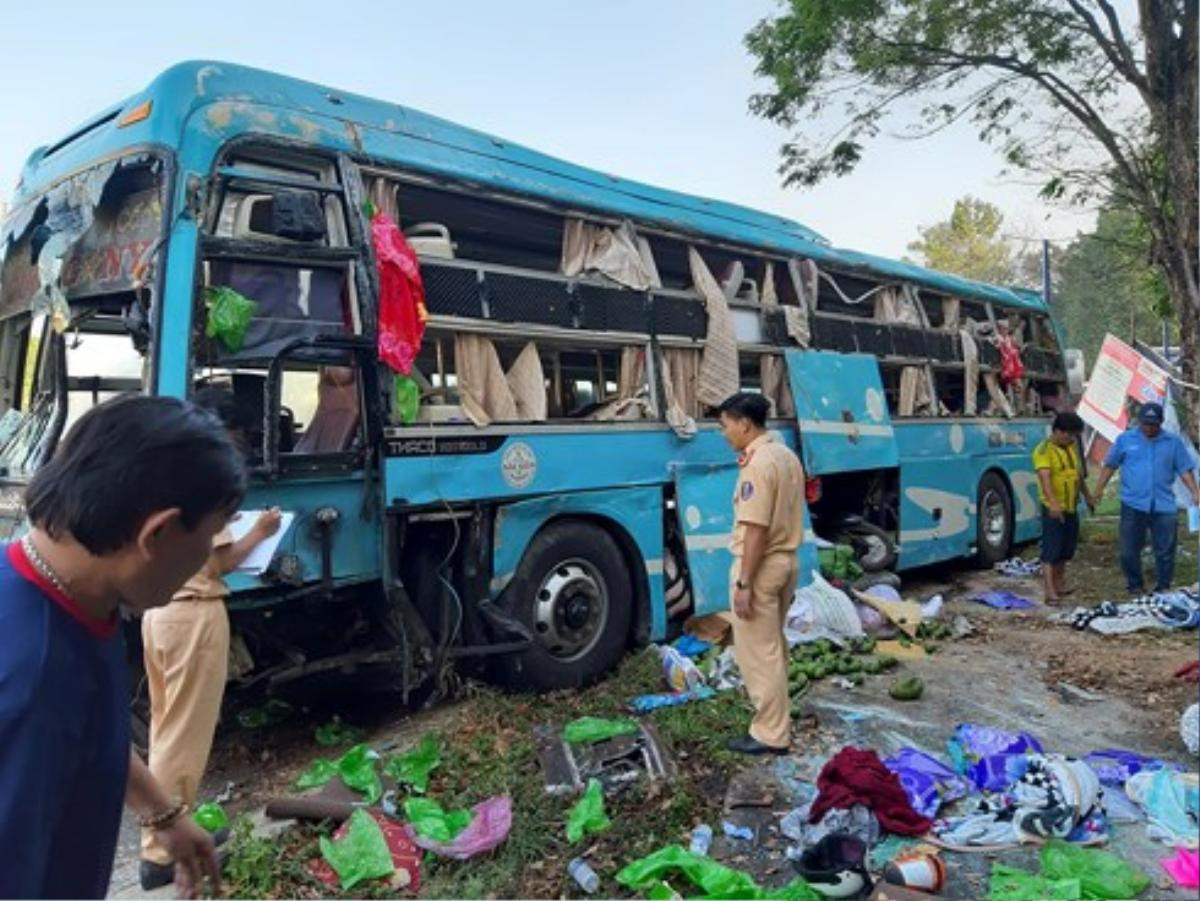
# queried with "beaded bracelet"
point(164, 818)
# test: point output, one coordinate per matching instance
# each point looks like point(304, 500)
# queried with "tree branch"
point(1116, 48)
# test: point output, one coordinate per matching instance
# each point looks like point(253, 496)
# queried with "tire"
point(874, 547)
point(994, 521)
point(573, 591)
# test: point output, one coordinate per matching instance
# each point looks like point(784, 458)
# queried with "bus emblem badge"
point(519, 465)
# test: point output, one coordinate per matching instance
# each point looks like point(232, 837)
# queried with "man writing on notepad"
point(186, 653)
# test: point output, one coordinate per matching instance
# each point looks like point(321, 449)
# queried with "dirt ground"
point(1076, 690)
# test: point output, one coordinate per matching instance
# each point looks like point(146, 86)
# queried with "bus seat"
point(336, 417)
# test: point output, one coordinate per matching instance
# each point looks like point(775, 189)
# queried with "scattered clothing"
point(1018, 568)
point(1114, 766)
point(858, 776)
point(857, 821)
point(1171, 801)
point(1165, 610)
point(1184, 868)
point(1002, 600)
point(928, 782)
point(1055, 797)
point(984, 754)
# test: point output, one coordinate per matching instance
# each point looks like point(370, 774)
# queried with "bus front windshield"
point(76, 291)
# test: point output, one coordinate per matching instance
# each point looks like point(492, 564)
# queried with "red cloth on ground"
point(857, 776)
point(406, 857)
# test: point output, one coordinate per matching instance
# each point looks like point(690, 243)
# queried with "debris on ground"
point(491, 822)
point(1002, 600)
point(591, 729)
point(1163, 610)
point(616, 762)
point(360, 853)
point(414, 768)
point(1019, 568)
point(587, 815)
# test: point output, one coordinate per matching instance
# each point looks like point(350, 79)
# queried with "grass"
point(491, 751)
point(1097, 564)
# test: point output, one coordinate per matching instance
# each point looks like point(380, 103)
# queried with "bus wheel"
point(572, 589)
point(994, 517)
point(874, 547)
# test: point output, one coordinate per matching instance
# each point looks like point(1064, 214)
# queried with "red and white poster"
point(1122, 380)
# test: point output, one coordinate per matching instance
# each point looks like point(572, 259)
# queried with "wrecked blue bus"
point(556, 489)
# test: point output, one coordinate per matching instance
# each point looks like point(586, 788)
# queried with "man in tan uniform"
point(186, 656)
point(768, 506)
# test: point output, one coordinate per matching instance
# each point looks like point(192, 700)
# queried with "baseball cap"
point(1151, 414)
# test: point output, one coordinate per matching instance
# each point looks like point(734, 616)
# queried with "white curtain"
point(719, 376)
point(617, 253)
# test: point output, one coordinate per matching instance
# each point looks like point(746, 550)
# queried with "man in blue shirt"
point(113, 523)
point(1150, 460)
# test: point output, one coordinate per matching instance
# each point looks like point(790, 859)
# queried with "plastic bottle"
point(702, 837)
point(584, 875)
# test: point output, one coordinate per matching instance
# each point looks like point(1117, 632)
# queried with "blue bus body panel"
point(841, 411)
point(355, 538)
point(637, 511)
point(941, 466)
point(198, 106)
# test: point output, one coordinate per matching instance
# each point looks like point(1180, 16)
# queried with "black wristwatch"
point(740, 585)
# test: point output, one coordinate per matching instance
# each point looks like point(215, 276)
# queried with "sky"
point(654, 90)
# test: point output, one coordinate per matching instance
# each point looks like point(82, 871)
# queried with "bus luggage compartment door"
point(841, 411)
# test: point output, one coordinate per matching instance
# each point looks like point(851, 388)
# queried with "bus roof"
point(209, 103)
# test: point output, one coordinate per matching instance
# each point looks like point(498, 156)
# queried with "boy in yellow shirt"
point(1060, 485)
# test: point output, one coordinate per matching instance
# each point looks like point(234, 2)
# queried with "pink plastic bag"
point(1184, 868)
point(402, 313)
point(488, 830)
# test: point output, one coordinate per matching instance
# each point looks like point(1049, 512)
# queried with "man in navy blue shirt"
point(122, 515)
point(1150, 460)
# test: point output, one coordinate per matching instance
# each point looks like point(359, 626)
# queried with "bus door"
point(283, 231)
point(841, 412)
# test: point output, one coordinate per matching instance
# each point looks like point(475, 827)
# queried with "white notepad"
point(260, 558)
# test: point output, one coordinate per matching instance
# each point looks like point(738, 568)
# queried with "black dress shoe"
point(155, 875)
point(747, 744)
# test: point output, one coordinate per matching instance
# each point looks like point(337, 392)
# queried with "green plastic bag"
point(336, 733)
point(838, 562)
point(229, 315)
point(211, 817)
point(413, 768)
point(714, 879)
point(407, 395)
point(320, 772)
point(357, 769)
point(361, 854)
point(588, 813)
point(432, 822)
point(1102, 876)
point(1011, 884)
point(589, 729)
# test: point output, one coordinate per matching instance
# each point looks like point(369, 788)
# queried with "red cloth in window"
point(402, 314)
point(1011, 367)
point(858, 776)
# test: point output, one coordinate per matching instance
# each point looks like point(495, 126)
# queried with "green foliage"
point(969, 243)
point(1105, 282)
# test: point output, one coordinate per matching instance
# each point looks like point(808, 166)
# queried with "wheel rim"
point(876, 550)
point(995, 518)
point(571, 609)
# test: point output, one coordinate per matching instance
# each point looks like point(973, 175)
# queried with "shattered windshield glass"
point(93, 233)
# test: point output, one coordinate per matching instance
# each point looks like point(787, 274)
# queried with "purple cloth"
point(991, 758)
point(928, 782)
point(1003, 600)
point(1114, 766)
